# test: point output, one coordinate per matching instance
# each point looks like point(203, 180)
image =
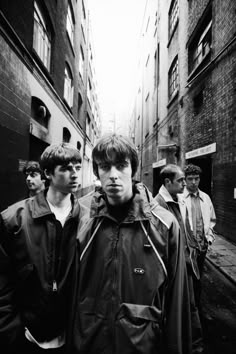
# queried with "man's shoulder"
point(161, 201)
point(203, 194)
point(11, 209)
point(163, 215)
point(12, 213)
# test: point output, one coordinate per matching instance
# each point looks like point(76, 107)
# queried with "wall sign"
point(159, 163)
point(205, 150)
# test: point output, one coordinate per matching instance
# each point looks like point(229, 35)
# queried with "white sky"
point(116, 26)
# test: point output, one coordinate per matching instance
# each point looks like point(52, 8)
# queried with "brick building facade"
point(196, 82)
point(47, 87)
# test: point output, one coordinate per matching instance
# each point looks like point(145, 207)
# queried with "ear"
point(47, 175)
point(167, 181)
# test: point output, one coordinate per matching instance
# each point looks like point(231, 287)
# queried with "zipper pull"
point(54, 285)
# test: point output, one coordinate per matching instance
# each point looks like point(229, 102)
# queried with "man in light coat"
point(202, 217)
point(169, 196)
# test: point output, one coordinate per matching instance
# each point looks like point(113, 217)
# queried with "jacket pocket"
point(91, 333)
point(138, 329)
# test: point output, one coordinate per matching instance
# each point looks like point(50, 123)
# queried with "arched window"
point(66, 135)
point(68, 86)
point(40, 112)
point(79, 145)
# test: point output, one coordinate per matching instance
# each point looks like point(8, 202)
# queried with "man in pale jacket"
point(202, 216)
point(169, 196)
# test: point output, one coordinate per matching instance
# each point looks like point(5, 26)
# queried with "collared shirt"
point(197, 220)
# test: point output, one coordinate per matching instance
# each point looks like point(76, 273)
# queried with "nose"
point(74, 172)
point(28, 178)
point(113, 173)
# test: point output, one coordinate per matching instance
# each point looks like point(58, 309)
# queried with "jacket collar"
point(41, 208)
point(166, 195)
point(140, 207)
point(188, 194)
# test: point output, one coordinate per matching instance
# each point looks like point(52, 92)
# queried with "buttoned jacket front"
point(207, 210)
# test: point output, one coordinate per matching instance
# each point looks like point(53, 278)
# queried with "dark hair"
point(192, 170)
point(118, 144)
point(59, 154)
point(169, 171)
point(33, 166)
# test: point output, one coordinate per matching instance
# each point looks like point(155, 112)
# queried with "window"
point(173, 78)
point(68, 86)
point(89, 91)
point(81, 63)
point(88, 126)
point(157, 66)
point(83, 19)
point(173, 16)
point(70, 24)
point(78, 145)
point(40, 112)
point(80, 102)
point(201, 47)
point(66, 135)
point(42, 37)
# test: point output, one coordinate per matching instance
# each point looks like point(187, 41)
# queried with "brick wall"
point(215, 119)
point(14, 125)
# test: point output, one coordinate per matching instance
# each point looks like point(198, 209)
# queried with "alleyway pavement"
point(222, 253)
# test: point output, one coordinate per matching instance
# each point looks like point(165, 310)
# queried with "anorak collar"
point(140, 206)
point(41, 208)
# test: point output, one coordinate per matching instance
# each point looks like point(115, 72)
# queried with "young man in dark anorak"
point(132, 292)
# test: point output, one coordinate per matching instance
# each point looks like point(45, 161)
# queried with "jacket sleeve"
point(177, 307)
point(11, 329)
point(210, 235)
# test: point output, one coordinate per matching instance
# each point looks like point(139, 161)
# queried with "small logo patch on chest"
point(139, 271)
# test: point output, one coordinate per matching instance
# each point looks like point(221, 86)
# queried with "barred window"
point(173, 16)
point(201, 47)
point(42, 37)
point(173, 78)
point(70, 25)
point(81, 63)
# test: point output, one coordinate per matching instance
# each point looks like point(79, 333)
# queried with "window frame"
point(68, 86)
point(173, 16)
point(81, 63)
point(201, 47)
point(173, 78)
point(42, 37)
point(70, 24)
